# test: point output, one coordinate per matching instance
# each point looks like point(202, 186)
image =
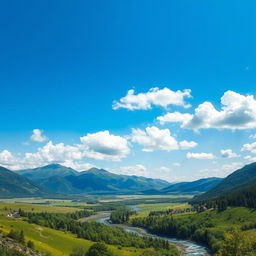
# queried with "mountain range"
point(58, 180)
point(14, 185)
point(65, 180)
point(193, 187)
point(240, 179)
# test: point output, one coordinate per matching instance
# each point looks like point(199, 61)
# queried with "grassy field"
point(141, 197)
point(145, 209)
point(57, 243)
point(8, 207)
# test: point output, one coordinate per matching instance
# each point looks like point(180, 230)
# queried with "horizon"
point(98, 168)
point(169, 96)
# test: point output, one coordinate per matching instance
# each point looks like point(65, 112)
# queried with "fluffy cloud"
point(7, 158)
point(138, 170)
point(187, 144)
point(78, 165)
point(228, 153)
point(174, 117)
point(154, 138)
point(163, 169)
point(249, 147)
point(250, 159)
point(253, 136)
point(202, 156)
point(38, 136)
point(229, 168)
point(54, 153)
point(155, 96)
point(104, 146)
point(100, 146)
point(237, 112)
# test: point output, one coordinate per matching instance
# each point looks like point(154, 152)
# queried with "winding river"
point(188, 248)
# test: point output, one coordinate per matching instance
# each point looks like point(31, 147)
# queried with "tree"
point(21, 238)
point(98, 249)
point(78, 251)
point(237, 244)
point(30, 244)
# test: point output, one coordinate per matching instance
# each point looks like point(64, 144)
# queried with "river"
point(188, 248)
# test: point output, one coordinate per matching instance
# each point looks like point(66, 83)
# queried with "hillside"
point(193, 187)
point(47, 171)
point(241, 178)
point(65, 180)
point(14, 185)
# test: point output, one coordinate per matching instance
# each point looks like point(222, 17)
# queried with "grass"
point(118, 198)
point(55, 242)
point(8, 207)
point(145, 209)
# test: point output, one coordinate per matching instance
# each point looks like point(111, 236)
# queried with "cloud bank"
point(238, 112)
point(155, 96)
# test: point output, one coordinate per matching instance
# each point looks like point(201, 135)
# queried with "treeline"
point(244, 197)
point(171, 211)
point(74, 215)
point(190, 227)
point(95, 231)
point(121, 215)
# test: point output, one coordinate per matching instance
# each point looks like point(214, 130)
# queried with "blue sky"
point(64, 63)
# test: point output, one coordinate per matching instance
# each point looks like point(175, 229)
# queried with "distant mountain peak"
point(52, 166)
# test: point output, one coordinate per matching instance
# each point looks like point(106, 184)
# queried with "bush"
point(99, 249)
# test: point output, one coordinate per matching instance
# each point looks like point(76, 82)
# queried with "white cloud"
point(54, 153)
point(174, 117)
point(237, 112)
point(138, 170)
point(250, 159)
point(104, 146)
point(229, 168)
point(7, 158)
point(249, 147)
point(78, 166)
point(177, 164)
point(163, 169)
point(100, 146)
point(228, 153)
point(153, 139)
point(202, 156)
point(253, 136)
point(155, 96)
point(187, 144)
point(38, 136)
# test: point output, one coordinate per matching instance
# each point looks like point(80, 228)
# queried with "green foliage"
point(5, 251)
point(94, 231)
point(78, 251)
point(98, 249)
point(237, 244)
point(121, 215)
point(207, 227)
point(17, 236)
point(30, 244)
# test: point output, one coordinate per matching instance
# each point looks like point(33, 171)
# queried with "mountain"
point(102, 180)
point(15, 185)
point(65, 180)
point(194, 187)
point(47, 172)
point(243, 177)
